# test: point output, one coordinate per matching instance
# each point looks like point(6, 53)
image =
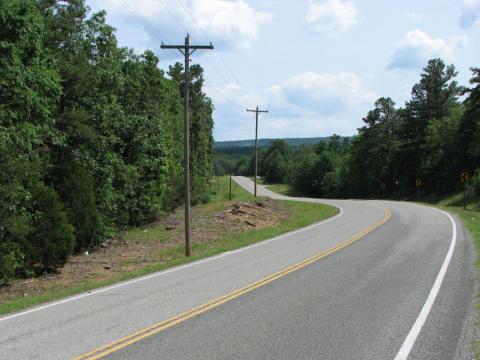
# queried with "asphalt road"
point(384, 280)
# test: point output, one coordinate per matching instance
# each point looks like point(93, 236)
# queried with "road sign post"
point(464, 180)
point(418, 184)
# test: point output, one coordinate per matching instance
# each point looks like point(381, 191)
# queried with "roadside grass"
point(299, 215)
point(282, 189)
point(470, 216)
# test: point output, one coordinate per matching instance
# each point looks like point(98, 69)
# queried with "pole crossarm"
point(259, 111)
point(191, 47)
point(187, 50)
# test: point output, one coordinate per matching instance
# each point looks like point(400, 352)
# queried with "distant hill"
point(267, 142)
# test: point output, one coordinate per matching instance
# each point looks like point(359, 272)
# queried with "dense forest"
point(266, 142)
point(91, 134)
point(430, 141)
point(233, 157)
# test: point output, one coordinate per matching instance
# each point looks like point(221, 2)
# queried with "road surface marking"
point(151, 330)
point(422, 317)
point(167, 271)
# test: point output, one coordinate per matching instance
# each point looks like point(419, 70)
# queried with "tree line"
point(91, 134)
point(427, 143)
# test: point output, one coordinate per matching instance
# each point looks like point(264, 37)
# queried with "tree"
point(468, 143)
point(275, 163)
point(201, 127)
point(89, 134)
point(371, 154)
point(433, 98)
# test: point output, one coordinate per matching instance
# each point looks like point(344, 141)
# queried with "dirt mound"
point(252, 215)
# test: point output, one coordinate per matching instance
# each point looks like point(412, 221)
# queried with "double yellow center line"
point(151, 330)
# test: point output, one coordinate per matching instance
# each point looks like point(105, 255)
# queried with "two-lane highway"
point(378, 281)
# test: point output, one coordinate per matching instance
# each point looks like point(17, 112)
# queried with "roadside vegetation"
point(91, 135)
point(429, 143)
point(218, 226)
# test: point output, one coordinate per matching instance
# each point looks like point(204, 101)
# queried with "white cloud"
point(232, 94)
point(333, 18)
point(414, 16)
point(470, 13)
point(326, 93)
point(229, 24)
point(233, 20)
point(417, 47)
point(308, 104)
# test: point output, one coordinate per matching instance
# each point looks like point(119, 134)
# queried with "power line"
point(247, 96)
point(160, 36)
point(144, 22)
point(247, 99)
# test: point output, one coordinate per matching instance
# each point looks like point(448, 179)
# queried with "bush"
point(52, 238)
point(475, 183)
point(11, 262)
point(76, 190)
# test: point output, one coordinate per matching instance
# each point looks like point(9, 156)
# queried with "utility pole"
point(256, 111)
point(187, 50)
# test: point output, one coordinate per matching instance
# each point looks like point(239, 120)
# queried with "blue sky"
point(317, 65)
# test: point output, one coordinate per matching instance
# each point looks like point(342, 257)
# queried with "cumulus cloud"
point(229, 24)
point(326, 94)
point(417, 47)
point(414, 16)
point(470, 13)
point(308, 104)
point(232, 94)
point(333, 18)
point(235, 21)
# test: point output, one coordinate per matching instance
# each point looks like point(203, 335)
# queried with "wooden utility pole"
point(187, 50)
point(256, 111)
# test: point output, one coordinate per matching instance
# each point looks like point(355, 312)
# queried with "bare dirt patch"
point(156, 243)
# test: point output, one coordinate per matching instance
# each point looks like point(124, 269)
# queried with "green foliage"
point(201, 131)
point(52, 237)
point(11, 262)
point(475, 182)
point(90, 133)
point(469, 127)
point(76, 190)
point(275, 162)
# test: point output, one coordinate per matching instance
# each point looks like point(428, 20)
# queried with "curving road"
point(381, 280)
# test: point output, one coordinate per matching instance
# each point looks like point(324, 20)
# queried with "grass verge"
point(282, 189)
point(299, 215)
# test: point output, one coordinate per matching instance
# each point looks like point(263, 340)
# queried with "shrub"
point(475, 183)
point(76, 191)
point(11, 262)
point(52, 238)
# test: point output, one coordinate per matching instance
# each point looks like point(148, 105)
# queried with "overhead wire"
point(247, 99)
point(144, 22)
point(232, 73)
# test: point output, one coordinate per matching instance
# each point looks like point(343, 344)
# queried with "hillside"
point(267, 142)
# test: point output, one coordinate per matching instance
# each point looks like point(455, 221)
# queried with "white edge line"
point(164, 272)
point(422, 317)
